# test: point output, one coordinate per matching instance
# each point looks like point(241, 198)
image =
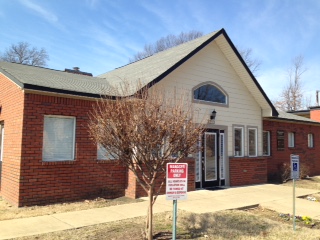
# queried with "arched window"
point(210, 93)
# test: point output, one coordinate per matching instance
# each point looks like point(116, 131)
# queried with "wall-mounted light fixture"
point(213, 115)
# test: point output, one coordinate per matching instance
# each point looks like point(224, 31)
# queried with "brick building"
point(290, 133)
point(47, 155)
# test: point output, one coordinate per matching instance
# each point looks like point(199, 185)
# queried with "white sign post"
point(176, 188)
point(295, 174)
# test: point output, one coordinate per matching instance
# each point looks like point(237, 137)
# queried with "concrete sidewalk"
point(271, 196)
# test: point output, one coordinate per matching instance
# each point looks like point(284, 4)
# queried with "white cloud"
point(50, 17)
point(45, 14)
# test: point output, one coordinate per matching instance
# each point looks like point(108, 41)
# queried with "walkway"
point(271, 196)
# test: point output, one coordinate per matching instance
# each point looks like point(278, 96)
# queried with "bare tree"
point(165, 43)
point(252, 63)
point(175, 40)
point(291, 98)
point(23, 53)
point(145, 131)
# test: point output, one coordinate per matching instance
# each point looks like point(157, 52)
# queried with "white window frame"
point(226, 104)
point(102, 154)
point(268, 143)
point(1, 141)
point(47, 159)
point(221, 157)
point(255, 141)
point(242, 141)
point(291, 139)
point(310, 140)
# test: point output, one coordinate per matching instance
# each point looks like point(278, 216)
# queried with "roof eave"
point(291, 120)
point(61, 91)
point(274, 111)
point(217, 34)
point(12, 78)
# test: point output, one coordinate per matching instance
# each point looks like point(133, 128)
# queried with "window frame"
point(208, 102)
point(73, 139)
point(1, 140)
point(268, 143)
point(242, 141)
point(310, 140)
point(291, 139)
point(255, 142)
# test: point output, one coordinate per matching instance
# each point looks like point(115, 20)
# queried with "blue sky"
point(100, 35)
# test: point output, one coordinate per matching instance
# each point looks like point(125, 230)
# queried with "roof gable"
point(153, 69)
point(145, 72)
point(285, 116)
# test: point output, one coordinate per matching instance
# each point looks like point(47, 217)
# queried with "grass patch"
point(256, 223)
point(9, 212)
point(308, 183)
point(284, 218)
point(224, 225)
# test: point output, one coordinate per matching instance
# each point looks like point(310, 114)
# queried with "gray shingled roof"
point(293, 117)
point(141, 72)
point(24, 75)
point(149, 69)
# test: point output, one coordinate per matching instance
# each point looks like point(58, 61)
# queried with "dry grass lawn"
point(310, 183)
point(9, 212)
point(224, 225)
point(254, 223)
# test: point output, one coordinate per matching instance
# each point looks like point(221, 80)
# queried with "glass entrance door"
point(210, 165)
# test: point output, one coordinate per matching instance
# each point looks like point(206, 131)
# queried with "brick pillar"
point(131, 190)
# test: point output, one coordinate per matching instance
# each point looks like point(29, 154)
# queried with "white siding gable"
point(210, 64)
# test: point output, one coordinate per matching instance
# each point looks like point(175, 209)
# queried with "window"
point(209, 93)
point(238, 141)
point(310, 140)
point(252, 138)
point(280, 140)
point(103, 154)
point(290, 139)
point(266, 143)
point(58, 138)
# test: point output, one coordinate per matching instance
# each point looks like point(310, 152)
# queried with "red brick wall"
point(49, 182)
point(11, 102)
point(27, 180)
point(134, 189)
point(308, 156)
point(247, 170)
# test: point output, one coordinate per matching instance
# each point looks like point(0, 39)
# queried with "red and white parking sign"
point(177, 181)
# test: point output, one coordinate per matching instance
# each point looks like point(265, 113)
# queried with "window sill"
point(210, 103)
point(58, 162)
point(106, 160)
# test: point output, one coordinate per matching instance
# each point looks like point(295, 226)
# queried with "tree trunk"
point(149, 232)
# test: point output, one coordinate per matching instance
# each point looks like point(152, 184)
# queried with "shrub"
point(285, 171)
